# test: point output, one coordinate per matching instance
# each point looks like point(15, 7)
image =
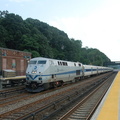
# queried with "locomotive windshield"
point(42, 62)
point(32, 62)
point(38, 62)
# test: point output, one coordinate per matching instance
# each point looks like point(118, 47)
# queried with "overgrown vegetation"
point(41, 39)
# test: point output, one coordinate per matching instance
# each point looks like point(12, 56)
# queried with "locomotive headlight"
point(34, 71)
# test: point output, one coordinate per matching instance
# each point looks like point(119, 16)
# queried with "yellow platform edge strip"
point(110, 108)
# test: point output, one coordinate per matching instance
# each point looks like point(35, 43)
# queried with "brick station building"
point(13, 60)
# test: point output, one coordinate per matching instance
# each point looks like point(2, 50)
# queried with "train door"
point(91, 70)
point(97, 71)
point(53, 70)
point(83, 71)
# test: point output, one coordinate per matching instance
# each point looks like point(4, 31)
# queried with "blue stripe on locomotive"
point(69, 72)
point(63, 73)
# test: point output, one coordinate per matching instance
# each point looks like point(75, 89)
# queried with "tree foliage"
point(41, 39)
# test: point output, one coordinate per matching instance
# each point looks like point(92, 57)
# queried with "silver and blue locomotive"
point(44, 73)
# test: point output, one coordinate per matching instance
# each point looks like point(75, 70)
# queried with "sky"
point(95, 22)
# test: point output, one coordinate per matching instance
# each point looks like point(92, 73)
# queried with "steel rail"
point(86, 99)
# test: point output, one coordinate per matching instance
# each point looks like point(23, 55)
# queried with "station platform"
point(8, 79)
point(13, 78)
point(109, 108)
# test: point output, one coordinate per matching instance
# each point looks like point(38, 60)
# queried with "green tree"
point(41, 39)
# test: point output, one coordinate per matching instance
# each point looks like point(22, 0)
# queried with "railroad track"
point(32, 107)
point(85, 108)
point(48, 101)
point(15, 98)
point(11, 91)
point(17, 90)
point(19, 94)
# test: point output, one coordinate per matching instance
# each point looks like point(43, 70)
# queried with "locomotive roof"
point(37, 58)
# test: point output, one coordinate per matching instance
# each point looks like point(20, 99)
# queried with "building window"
point(13, 63)
point(4, 63)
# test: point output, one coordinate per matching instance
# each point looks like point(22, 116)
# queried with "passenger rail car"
point(44, 73)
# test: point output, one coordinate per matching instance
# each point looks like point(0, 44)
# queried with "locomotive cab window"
point(32, 62)
point(42, 62)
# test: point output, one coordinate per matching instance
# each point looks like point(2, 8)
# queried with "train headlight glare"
point(34, 71)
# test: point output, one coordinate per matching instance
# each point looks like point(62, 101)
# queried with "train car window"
point(74, 64)
point(63, 63)
point(32, 62)
point(42, 62)
point(66, 64)
point(60, 63)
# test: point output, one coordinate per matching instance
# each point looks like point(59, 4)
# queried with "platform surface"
point(13, 78)
point(109, 108)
